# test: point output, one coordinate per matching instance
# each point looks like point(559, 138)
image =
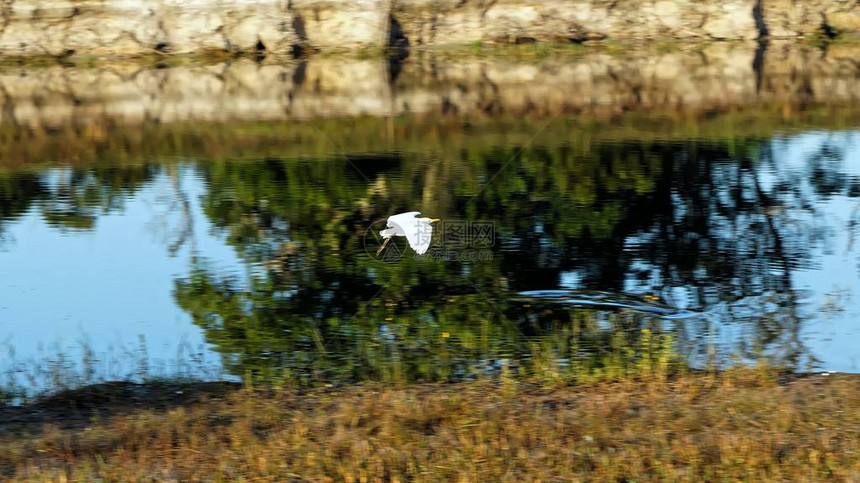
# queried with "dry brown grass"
point(741, 425)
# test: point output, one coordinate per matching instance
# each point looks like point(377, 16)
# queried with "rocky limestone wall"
point(795, 18)
point(36, 27)
point(63, 27)
point(431, 22)
point(139, 26)
point(721, 77)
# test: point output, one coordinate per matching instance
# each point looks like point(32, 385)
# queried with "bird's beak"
point(434, 220)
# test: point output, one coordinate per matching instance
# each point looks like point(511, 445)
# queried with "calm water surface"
point(738, 247)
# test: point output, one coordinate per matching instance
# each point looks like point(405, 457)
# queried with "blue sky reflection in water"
point(830, 284)
point(105, 287)
point(259, 263)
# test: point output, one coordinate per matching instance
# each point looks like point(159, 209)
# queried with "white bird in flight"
point(418, 231)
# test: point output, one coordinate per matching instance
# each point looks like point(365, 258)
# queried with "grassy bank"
point(85, 146)
point(742, 424)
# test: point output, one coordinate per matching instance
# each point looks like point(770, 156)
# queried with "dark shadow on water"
point(76, 408)
point(759, 63)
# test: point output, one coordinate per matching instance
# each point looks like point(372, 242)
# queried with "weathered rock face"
point(34, 27)
point(139, 26)
point(792, 18)
point(431, 22)
point(723, 76)
point(181, 26)
point(333, 24)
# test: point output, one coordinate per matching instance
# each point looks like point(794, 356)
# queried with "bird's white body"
point(418, 231)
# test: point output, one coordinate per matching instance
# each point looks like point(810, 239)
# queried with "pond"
point(158, 235)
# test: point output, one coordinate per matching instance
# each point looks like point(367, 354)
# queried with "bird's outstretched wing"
point(418, 231)
point(402, 219)
point(419, 236)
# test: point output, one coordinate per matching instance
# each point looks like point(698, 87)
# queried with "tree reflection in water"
point(714, 226)
point(691, 222)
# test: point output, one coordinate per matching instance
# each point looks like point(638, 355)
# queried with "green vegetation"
point(327, 138)
point(358, 370)
point(318, 305)
point(315, 308)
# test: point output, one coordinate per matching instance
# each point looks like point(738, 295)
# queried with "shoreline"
point(254, 107)
point(741, 423)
